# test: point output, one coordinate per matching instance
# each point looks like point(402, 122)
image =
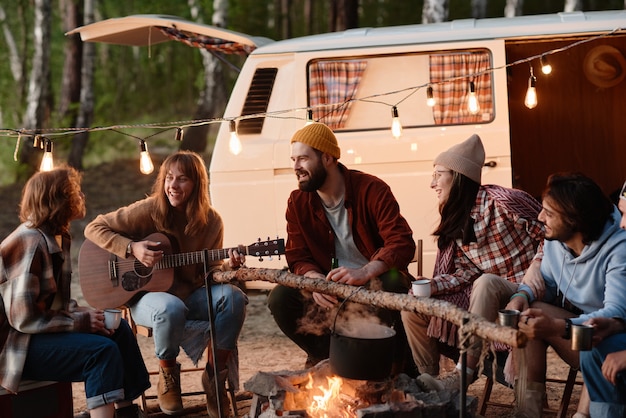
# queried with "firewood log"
point(468, 322)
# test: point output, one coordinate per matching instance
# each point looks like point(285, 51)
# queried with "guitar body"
point(108, 281)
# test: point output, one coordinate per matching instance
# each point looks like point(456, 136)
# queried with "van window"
point(358, 93)
point(257, 100)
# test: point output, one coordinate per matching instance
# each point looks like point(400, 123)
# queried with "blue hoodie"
point(595, 281)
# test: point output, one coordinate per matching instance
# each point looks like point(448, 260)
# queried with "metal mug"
point(421, 288)
point(508, 317)
point(582, 336)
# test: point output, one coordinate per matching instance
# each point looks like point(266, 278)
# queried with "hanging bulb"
point(396, 125)
point(531, 94)
point(309, 117)
point(37, 141)
point(179, 134)
point(546, 68)
point(430, 99)
point(472, 101)
point(46, 162)
point(145, 162)
point(234, 144)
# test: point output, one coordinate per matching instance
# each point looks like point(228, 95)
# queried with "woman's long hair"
point(455, 220)
point(51, 199)
point(198, 205)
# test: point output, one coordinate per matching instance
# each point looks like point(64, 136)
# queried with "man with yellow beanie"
point(342, 225)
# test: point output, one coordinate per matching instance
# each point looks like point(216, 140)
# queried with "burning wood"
point(476, 324)
point(317, 393)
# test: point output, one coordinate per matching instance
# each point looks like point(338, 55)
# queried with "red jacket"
point(380, 232)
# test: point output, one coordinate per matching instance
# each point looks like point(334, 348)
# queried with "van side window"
point(257, 100)
point(357, 93)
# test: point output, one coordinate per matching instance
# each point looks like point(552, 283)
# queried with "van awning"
point(145, 30)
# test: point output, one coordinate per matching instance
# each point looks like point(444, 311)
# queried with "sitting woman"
point(45, 335)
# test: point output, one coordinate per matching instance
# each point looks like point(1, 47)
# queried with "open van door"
point(145, 30)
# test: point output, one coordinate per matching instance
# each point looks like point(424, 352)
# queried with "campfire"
point(318, 393)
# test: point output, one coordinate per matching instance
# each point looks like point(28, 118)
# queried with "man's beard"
point(317, 177)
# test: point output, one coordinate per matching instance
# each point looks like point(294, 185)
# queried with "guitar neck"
point(195, 257)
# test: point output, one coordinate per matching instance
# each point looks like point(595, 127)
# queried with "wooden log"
point(476, 324)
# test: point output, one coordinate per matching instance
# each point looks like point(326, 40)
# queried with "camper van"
point(443, 82)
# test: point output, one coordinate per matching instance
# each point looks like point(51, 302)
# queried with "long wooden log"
point(475, 324)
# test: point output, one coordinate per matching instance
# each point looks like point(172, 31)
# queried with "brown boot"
point(208, 383)
point(532, 404)
point(168, 390)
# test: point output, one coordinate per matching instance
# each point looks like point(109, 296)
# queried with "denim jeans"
point(607, 400)
point(111, 367)
point(166, 315)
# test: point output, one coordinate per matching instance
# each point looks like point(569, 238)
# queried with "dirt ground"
point(262, 346)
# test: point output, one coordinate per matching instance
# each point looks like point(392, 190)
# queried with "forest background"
point(96, 102)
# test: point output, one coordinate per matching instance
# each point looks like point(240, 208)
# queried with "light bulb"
point(546, 68)
point(472, 100)
point(234, 144)
point(531, 94)
point(145, 162)
point(396, 125)
point(309, 117)
point(179, 134)
point(430, 99)
point(46, 162)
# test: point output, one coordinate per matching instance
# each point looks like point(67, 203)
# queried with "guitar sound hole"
point(138, 278)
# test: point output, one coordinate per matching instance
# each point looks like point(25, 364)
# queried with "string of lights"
point(43, 138)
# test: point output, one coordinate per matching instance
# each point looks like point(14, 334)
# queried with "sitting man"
point(604, 368)
point(342, 225)
point(583, 273)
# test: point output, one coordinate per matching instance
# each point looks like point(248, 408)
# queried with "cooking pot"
point(362, 350)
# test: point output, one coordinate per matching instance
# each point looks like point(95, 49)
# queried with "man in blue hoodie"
point(583, 272)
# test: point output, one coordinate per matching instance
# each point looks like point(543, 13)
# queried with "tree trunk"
point(435, 11)
point(479, 9)
point(573, 5)
point(39, 83)
point(14, 56)
point(70, 83)
point(213, 97)
point(308, 16)
point(344, 14)
point(85, 112)
point(513, 8)
point(476, 324)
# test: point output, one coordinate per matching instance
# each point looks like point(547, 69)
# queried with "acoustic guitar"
point(109, 281)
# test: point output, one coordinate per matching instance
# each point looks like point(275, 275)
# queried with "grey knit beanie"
point(466, 158)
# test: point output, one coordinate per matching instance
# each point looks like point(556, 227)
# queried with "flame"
point(328, 404)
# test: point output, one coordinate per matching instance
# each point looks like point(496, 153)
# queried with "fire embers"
point(317, 393)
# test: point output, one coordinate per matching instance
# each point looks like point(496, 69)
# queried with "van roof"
point(572, 23)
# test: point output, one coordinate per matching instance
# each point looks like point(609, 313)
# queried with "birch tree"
point(39, 81)
point(573, 5)
point(213, 97)
point(513, 8)
point(435, 11)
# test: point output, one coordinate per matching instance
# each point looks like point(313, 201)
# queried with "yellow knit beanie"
point(320, 137)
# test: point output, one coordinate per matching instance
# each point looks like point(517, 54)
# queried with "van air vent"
point(257, 100)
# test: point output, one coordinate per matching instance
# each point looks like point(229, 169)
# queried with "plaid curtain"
point(452, 96)
point(332, 84)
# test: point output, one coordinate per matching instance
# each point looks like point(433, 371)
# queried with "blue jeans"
point(166, 315)
point(111, 367)
point(607, 400)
